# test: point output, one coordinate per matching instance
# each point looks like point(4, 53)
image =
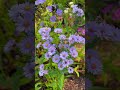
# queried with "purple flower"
point(80, 39)
point(60, 66)
point(26, 45)
point(45, 37)
point(63, 55)
point(14, 12)
point(51, 50)
point(47, 56)
point(27, 8)
point(65, 63)
point(91, 54)
point(80, 12)
point(66, 46)
point(59, 12)
point(70, 61)
point(72, 49)
point(44, 30)
point(49, 8)
point(50, 39)
point(43, 72)
point(94, 66)
point(58, 30)
point(25, 24)
point(62, 37)
point(61, 46)
point(9, 45)
point(29, 69)
point(53, 18)
point(41, 67)
point(70, 70)
point(56, 58)
point(72, 39)
point(77, 10)
point(46, 45)
point(74, 54)
point(37, 2)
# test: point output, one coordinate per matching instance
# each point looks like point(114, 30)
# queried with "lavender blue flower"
point(41, 66)
point(44, 30)
point(37, 2)
point(25, 24)
point(93, 63)
point(65, 63)
point(61, 46)
point(58, 30)
point(42, 71)
point(51, 50)
point(14, 12)
point(49, 8)
point(56, 58)
point(45, 37)
point(27, 8)
point(77, 10)
point(62, 37)
point(60, 66)
point(59, 12)
point(66, 46)
point(53, 18)
point(80, 12)
point(72, 49)
point(47, 56)
point(29, 70)
point(74, 54)
point(70, 70)
point(63, 55)
point(46, 45)
point(72, 39)
point(9, 45)
point(90, 54)
point(70, 61)
point(26, 45)
point(80, 39)
point(94, 67)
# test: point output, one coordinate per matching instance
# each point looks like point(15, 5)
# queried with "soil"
point(74, 84)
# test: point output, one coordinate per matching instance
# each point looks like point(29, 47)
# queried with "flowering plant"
point(59, 48)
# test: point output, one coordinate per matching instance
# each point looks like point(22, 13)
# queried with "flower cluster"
point(77, 10)
point(93, 63)
point(103, 31)
point(23, 16)
point(42, 71)
point(63, 53)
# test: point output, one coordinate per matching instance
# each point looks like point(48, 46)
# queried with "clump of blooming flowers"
point(64, 52)
point(23, 17)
